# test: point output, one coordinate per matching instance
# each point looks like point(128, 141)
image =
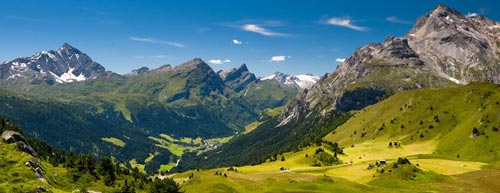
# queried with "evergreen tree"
point(167, 185)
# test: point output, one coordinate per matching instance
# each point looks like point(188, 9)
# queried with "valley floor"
point(296, 174)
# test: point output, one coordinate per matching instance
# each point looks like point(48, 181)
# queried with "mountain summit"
point(459, 48)
point(67, 64)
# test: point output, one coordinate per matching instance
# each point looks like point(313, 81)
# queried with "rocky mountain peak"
point(237, 78)
point(444, 10)
point(194, 64)
point(68, 48)
point(453, 45)
point(443, 47)
point(67, 64)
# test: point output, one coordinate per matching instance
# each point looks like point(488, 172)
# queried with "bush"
point(475, 132)
point(167, 185)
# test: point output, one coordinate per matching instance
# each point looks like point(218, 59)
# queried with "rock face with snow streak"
point(462, 49)
point(67, 64)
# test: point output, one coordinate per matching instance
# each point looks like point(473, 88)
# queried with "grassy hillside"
point(268, 94)
point(463, 122)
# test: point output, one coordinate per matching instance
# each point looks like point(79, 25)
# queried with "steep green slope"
point(464, 121)
point(268, 94)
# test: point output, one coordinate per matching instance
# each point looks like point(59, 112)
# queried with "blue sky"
point(289, 36)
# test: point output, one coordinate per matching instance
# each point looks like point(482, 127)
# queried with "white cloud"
point(235, 41)
point(278, 58)
point(394, 19)
point(154, 41)
point(472, 14)
point(219, 61)
point(340, 59)
point(260, 30)
point(344, 23)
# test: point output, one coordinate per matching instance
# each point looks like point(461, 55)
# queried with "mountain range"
point(82, 107)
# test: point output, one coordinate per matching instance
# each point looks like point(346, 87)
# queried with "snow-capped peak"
point(301, 81)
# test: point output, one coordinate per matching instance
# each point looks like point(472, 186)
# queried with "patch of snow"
point(449, 19)
point(495, 26)
point(306, 81)
point(289, 81)
point(268, 77)
point(12, 76)
point(285, 121)
point(457, 81)
point(68, 76)
point(18, 66)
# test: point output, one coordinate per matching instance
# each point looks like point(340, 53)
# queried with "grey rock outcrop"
point(22, 145)
point(138, 71)
point(12, 137)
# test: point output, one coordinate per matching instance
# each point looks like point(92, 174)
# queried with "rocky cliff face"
point(456, 47)
point(237, 78)
point(443, 48)
point(67, 64)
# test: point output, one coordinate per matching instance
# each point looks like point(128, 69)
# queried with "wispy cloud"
point(473, 14)
point(347, 23)
point(278, 58)
point(340, 59)
point(238, 42)
point(155, 41)
point(159, 56)
point(219, 61)
point(262, 31)
point(394, 19)
point(26, 19)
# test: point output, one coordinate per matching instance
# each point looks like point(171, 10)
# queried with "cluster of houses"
point(207, 145)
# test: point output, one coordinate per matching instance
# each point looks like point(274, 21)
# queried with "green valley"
point(438, 161)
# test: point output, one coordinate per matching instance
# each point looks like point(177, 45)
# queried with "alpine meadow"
point(252, 96)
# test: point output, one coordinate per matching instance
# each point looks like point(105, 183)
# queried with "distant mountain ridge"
point(302, 81)
point(67, 64)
